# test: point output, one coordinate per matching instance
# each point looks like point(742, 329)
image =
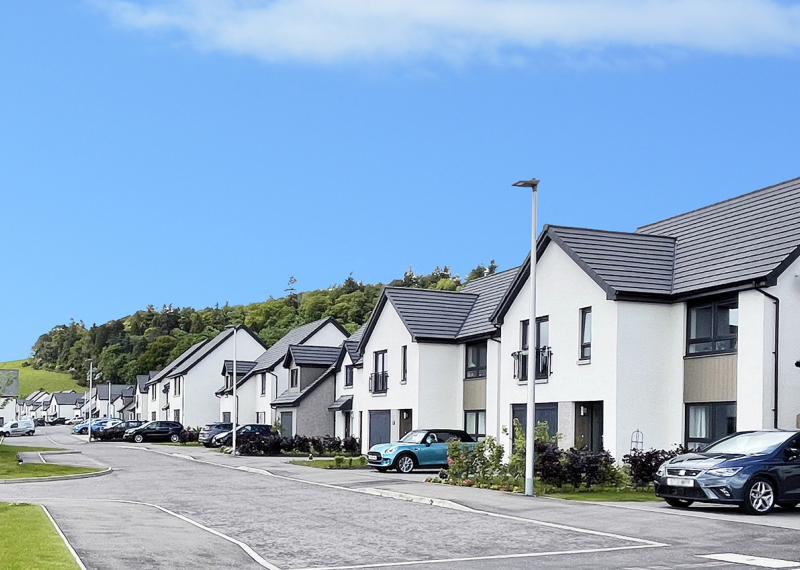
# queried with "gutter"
point(775, 352)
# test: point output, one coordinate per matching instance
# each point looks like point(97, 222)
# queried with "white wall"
point(754, 372)
point(788, 290)
point(441, 386)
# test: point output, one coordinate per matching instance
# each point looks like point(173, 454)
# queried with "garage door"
point(380, 427)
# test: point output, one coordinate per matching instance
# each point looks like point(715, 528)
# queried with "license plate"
point(373, 456)
point(677, 482)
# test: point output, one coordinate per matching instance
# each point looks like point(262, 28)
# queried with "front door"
point(286, 424)
point(347, 418)
point(405, 422)
point(589, 425)
point(544, 413)
point(380, 427)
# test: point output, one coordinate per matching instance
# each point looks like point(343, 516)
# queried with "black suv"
point(226, 437)
point(211, 430)
point(155, 431)
point(116, 431)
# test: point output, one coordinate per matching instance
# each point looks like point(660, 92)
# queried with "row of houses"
point(680, 332)
point(70, 404)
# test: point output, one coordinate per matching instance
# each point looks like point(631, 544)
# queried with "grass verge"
point(31, 380)
point(608, 495)
point(329, 463)
point(189, 444)
point(29, 540)
point(10, 469)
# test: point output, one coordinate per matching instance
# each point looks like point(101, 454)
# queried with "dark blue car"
point(755, 470)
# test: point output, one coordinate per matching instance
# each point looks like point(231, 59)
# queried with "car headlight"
point(391, 450)
point(724, 471)
point(662, 470)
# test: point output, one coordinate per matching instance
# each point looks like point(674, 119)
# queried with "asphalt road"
point(187, 507)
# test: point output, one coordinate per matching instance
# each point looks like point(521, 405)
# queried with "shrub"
point(644, 464)
point(351, 444)
point(189, 435)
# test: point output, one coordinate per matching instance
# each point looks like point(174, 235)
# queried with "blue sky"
point(202, 152)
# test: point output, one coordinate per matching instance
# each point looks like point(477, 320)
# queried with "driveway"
point(188, 507)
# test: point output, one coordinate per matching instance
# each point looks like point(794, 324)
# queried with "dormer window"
point(293, 383)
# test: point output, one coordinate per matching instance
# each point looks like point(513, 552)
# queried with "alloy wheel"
point(761, 497)
point(405, 464)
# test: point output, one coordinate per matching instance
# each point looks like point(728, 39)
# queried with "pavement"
point(189, 507)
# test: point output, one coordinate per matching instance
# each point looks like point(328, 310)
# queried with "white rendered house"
point(679, 333)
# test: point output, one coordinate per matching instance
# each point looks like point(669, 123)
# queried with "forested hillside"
point(149, 339)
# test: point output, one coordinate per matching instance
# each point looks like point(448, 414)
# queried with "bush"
point(644, 464)
point(189, 435)
point(351, 444)
point(275, 444)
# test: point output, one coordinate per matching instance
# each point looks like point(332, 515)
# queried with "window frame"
point(714, 409)
point(477, 414)
point(263, 384)
point(543, 374)
point(379, 380)
point(294, 378)
point(404, 364)
point(713, 304)
point(585, 348)
point(477, 371)
point(348, 376)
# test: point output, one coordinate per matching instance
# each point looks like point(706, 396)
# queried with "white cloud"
point(460, 30)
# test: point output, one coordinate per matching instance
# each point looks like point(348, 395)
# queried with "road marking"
point(250, 552)
point(64, 538)
point(752, 560)
point(477, 558)
point(426, 500)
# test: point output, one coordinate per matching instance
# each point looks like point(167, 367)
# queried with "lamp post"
point(91, 374)
point(530, 415)
point(235, 401)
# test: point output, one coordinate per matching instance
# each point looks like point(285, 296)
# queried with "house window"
point(379, 379)
point(586, 333)
point(226, 417)
point(347, 418)
point(153, 392)
point(713, 326)
point(176, 415)
point(293, 378)
point(152, 416)
point(263, 384)
point(348, 376)
point(404, 359)
point(476, 360)
point(475, 423)
point(178, 387)
point(706, 423)
point(543, 351)
point(261, 417)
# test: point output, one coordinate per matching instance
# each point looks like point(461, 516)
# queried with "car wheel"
point(787, 506)
point(404, 464)
point(759, 497)
point(138, 438)
point(678, 503)
point(174, 438)
point(206, 444)
point(84, 431)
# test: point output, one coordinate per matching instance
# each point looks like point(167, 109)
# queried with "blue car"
point(97, 424)
point(755, 470)
point(421, 448)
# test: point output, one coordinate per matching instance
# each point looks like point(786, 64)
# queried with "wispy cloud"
point(461, 30)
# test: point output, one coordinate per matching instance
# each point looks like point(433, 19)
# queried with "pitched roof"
point(67, 398)
point(188, 363)
point(351, 344)
point(242, 367)
point(308, 355)
point(490, 290)
point(289, 399)
point(752, 237)
point(177, 362)
point(141, 381)
point(297, 335)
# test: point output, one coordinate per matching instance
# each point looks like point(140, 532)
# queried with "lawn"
point(29, 540)
point(187, 444)
point(10, 469)
point(31, 380)
point(331, 463)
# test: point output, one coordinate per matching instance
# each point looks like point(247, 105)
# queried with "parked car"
point(421, 448)
point(755, 470)
point(155, 431)
point(226, 437)
point(57, 421)
point(19, 427)
point(115, 430)
point(75, 420)
point(211, 430)
point(39, 421)
point(96, 423)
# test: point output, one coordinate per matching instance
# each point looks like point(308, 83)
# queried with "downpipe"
point(775, 352)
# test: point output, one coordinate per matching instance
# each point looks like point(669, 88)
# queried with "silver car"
point(20, 427)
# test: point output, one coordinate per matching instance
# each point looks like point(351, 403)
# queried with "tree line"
point(149, 339)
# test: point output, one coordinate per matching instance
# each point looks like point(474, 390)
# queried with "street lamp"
point(91, 374)
point(530, 415)
point(235, 401)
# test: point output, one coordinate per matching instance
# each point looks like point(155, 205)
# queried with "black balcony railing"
point(543, 356)
point(379, 382)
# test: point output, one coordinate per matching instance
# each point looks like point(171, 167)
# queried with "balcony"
point(378, 382)
point(543, 356)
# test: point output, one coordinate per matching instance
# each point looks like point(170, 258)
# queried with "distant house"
point(349, 367)
point(268, 379)
point(142, 397)
point(27, 407)
point(9, 393)
point(63, 405)
point(123, 405)
point(184, 391)
point(99, 404)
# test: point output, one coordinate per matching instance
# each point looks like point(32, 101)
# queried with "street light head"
point(532, 183)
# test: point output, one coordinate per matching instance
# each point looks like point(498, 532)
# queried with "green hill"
point(31, 380)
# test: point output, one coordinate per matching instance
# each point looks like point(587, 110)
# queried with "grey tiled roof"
point(429, 313)
point(298, 335)
point(745, 238)
point(177, 362)
point(141, 381)
point(624, 261)
point(184, 366)
point(242, 367)
point(308, 355)
point(67, 398)
point(490, 290)
point(286, 399)
point(351, 344)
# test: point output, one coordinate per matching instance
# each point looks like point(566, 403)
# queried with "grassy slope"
point(29, 540)
point(31, 380)
point(10, 469)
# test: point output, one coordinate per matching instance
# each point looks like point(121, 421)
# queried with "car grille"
point(374, 456)
point(684, 492)
point(683, 472)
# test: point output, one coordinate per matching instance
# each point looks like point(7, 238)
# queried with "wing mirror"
point(792, 453)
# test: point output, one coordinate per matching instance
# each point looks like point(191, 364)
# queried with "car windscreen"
point(759, 442)
point(414, 436)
